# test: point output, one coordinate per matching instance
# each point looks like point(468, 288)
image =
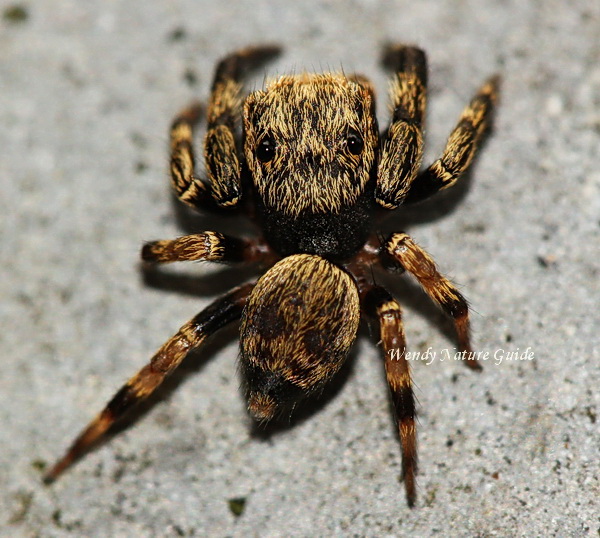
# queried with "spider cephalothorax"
point(314, 173)
point(312, 166)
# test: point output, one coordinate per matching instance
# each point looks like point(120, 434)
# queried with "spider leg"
point(411, 257)
point(223, 165)
point(224, 111)
point(460, 147)
point(209, 246)
point(402, 149)
point(189, 189)
point(385, 310)
point(218, 314)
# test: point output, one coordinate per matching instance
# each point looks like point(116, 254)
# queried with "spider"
point(313, 171)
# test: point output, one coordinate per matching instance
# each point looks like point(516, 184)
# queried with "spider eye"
point(265, 151)
point(354, 142)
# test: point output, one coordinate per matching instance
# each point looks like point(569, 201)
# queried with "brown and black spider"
point(313, 172)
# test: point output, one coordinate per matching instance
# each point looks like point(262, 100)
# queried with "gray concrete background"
point(87, 92)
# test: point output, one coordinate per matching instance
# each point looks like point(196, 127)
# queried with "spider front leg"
point(208, 246)
point(189, 188)
point(224, 111)
point(220, 150)
point(402, 250)
point(460, 147)
point(385, 310)
point(402, 149)
point(221, 312)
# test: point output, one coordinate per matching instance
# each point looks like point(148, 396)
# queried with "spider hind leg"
point(149, 378)
point(385, 311)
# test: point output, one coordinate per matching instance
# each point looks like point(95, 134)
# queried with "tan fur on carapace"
point(313, 171)
point(298, 326)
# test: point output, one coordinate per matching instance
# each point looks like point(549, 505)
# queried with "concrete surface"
point(88, 91)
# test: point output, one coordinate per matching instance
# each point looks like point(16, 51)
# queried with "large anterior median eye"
point(354, 142)
point(265, 151)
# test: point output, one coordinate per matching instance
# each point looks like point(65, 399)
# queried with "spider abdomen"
point(298, 326)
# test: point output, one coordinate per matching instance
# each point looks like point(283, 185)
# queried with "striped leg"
point(403, 250)
point(385, 310)
point(222, 162)
point(189, 188)
point(148, 379)
point(209, 246)
point(224, 111)
point(460, 147)
point(402, 150)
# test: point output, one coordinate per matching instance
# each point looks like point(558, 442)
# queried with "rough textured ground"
point(88, 91)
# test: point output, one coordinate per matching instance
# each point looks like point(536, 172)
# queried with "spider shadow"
point(432, 209)
point(211, 285)
point(225, 220)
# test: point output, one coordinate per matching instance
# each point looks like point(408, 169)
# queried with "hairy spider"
point(314, 173)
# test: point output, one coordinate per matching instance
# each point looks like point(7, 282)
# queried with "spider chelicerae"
point(313, 171)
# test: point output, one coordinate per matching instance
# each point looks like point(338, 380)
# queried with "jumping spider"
point(314, 173)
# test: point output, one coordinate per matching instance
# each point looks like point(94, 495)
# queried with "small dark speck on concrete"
point(140, 167)
point(546, 261)
point(190, 77)
point(476, 228)
point(39, 465)
point(56, 517)
point(178, 530)
point(430, 497)
point(237, 506)
point(15, 14)
point(591, 414)
point(177, 34)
